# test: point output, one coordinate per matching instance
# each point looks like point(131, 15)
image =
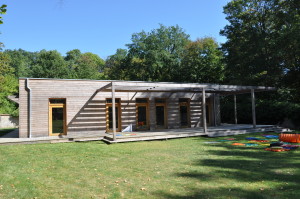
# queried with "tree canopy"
point(167, 54)
point(263, 41)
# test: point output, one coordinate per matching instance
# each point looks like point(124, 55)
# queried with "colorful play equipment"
point(290, 137)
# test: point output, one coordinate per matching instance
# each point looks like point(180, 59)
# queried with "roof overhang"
point(182, 87)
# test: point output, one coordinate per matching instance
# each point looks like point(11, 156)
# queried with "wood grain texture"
point(86, 108)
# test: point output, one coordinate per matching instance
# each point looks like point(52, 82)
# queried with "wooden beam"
point(204, 111)
point(104, 87)
point(235, 110)
point(113, 110)
point(253, 108)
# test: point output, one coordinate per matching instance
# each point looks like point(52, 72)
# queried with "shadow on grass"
point(277, 172)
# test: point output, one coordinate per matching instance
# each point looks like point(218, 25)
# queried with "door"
point(109, 117)
point(184, 112)
point(142, 121)
point(160, 113)
point(57, 117)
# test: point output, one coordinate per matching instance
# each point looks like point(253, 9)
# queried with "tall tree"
point(89, 66)
point(21, 61)
point(263, 43)
point(115, 65)
point(202, 62)
point(8, 85)
point(50, 64)
point(156, 55)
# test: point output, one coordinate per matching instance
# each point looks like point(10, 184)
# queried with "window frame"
point(50, 122)
point(118, 105)
point(138, 104)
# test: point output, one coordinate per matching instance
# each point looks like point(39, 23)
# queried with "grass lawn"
point(5, 131)
point(179, 168)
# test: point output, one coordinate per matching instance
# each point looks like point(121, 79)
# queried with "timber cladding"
point(86, 109)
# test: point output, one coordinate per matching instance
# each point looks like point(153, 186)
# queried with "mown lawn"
point(5, 131)
point(180, 168)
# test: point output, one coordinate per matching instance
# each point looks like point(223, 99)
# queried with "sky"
point(103, 26)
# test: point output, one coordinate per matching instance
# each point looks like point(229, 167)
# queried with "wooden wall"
point(86, 109)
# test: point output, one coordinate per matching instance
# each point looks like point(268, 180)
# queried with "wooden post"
point(253, 108)
point(204, 111)
point(113, 110)
point(235, 111)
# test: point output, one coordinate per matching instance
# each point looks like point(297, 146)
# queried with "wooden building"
point(74, 108)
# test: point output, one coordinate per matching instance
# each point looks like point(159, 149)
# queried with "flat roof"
point(146, 86)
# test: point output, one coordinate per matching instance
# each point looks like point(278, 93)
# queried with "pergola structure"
point(125, 86)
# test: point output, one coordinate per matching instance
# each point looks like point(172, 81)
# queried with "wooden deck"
point(223, 130)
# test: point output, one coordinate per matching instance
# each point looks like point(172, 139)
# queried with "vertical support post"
point(113, 110)
point(204, 111)
point(253, 108)
point(235, 110)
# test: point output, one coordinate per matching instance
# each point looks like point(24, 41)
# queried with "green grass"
point(5, 131)
point(179, 168)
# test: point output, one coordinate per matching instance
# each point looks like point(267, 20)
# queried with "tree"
point(50, 64)
point(263, 48)
point(21, 61)
point(156, 55)
point(88, 66)
point(115, 65)
point(8, 85)
point(202, 62)
point(263, 43)
point(84, 65)
point(2, 11)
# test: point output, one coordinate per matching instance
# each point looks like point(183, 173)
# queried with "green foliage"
point(8, 86)
point(167, 54)
point(156, 56)
point(202, 62)
point(21, 61)
point(263, 46)
point(268, 111)
point(49, 64)
point(2, 11)
point(115, 65)
point(84, 66)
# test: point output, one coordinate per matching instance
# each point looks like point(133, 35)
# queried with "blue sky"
point(102, 26)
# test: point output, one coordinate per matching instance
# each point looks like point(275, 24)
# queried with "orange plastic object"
point(238, 144)
point(276, 150)
point(286, 137)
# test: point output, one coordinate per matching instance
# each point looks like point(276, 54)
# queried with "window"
point(142, 118)
point(109, 115)
point(57, 117)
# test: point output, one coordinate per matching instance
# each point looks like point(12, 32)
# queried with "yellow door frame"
point(147, 114)
point(117, 105)
point(51, 106)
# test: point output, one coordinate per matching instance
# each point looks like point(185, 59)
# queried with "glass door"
point(160, 109)
point(109, 117)
point(57, 117)
point(184, 112)
point(142, 118)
